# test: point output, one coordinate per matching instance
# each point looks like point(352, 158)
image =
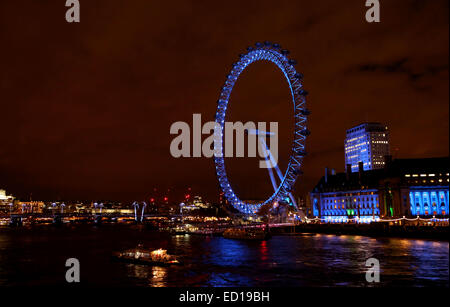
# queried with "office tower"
point(367, 143)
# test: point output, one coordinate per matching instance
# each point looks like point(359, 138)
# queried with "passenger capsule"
point(303, 92)
point(302, 153)
point(305, 132)
point(305, 112)
point(298, 76)
point(298, 171)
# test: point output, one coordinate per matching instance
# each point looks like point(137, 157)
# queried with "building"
point(404, 187)
point(196, 203)
point(30, 206)
point(367, 143)
point(6, 202)
point(199, 203)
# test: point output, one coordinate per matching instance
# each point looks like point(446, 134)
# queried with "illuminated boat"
point(141, 255)
point(179, 230)
point(246, 234)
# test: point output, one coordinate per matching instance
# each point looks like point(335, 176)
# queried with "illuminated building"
point(30, 206)
point(5, 201)
point(4, 197)
point(196, 203)
point(404, 187)
point(367, 143)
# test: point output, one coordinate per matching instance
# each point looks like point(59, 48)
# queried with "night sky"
point(86, 108)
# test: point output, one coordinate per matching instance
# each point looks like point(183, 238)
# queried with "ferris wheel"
point(283, 187)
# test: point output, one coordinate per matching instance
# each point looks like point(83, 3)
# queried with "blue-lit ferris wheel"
point(282, 192)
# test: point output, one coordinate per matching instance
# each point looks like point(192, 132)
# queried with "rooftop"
point(369, 126)
point(371, 178)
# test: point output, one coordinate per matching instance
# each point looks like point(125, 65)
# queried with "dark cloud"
point(401, 66)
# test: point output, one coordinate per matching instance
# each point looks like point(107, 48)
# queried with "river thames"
point(36, 257)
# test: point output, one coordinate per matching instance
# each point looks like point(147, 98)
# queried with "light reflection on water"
point(37, 256)
point(159, 275)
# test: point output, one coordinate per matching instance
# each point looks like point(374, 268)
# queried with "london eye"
point(283, 188)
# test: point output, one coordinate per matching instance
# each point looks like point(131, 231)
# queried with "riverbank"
point(370, 230)
point(430, 230)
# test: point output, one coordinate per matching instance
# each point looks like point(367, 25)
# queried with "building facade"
point(196, 203)
point(30, 206)
point(404, 187)
point(6, 202)
point(367, 143)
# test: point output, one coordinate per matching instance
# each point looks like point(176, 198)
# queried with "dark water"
point(36, 256)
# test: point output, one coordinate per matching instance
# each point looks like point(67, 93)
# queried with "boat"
point(140, 255)
point(246, 234)
point(179, 230)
